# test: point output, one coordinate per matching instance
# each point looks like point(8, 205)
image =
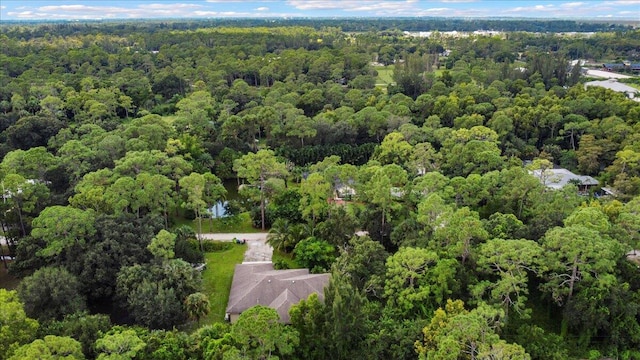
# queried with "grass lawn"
point(216, 280)
point(234, 224)
point(637, 86)
point(385, 75)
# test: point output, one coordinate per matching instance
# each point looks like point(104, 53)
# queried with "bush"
point(215, 246)
point(189, 251)
point(280, 265)
point(315, 254)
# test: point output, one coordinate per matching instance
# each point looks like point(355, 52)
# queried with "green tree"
point(513, 261)
point(503, 226)
point(455, 333)
point(462, 230)
point(25, 197)
point(197, 305)
point(125, 196)
point(417, 281)
point(393, 150)
point(50, 348)
point(257, 168)
point(382, 188)
point(363, 263)
point(83, 327)
point(589, 154)
point(50, 293)
point(467, 151)
point(162, 245)
point(31, 164)
point(157, 194)
point(155, 293)
point(15, 327)
point(315, 254)
point(346, 322)
point(260, 335)
point(193, 187)
point(155, 305)
point(282, 235)
point(424, 158)
point(63, 227)
point(119, 345)
point(589, 256)
point(307, 317)
point(314, 191)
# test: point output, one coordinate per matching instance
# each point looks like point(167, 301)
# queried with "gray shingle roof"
point(558, 178)
point(260, 284)
point(613, 85)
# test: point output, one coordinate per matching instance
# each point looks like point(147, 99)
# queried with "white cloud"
point(349, 5)
point(2, 7)
point(84, 9)
point(168, 6)
point(391, 8)
point(527, 9)
point(79, 11)
point(572, 5)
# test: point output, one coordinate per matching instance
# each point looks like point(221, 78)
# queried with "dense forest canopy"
point(441, 148)
point(66, 27)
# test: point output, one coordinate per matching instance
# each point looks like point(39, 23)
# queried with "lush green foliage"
point(113, 134)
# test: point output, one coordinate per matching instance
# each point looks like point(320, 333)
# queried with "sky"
point(155, 9)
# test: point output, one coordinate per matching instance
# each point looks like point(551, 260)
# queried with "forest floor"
point(7, 281)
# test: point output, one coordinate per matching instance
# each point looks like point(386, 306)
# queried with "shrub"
point(215, 246)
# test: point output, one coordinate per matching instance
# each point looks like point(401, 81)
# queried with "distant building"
point(621, 66)
point(613, 66)
point(614, 85)
point(344, 191)
point(559, 178)
point(259, 284)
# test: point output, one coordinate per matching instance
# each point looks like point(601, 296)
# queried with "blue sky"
point(132, 9)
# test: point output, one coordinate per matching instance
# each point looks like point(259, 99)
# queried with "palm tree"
point(197, 306)
point(280, 235)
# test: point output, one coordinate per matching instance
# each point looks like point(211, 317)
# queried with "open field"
point(385, 76)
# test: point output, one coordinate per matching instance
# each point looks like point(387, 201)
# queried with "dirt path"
point(257, 247)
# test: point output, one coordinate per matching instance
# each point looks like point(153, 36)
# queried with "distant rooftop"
point(614, 85)
point(558, 178)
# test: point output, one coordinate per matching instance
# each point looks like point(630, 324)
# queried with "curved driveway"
point(257, 248)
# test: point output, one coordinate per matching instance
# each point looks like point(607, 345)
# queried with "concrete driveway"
point(257, 248)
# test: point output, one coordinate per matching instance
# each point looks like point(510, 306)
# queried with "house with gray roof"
point(613, 84)
point(259, 284)
point(558, 178)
